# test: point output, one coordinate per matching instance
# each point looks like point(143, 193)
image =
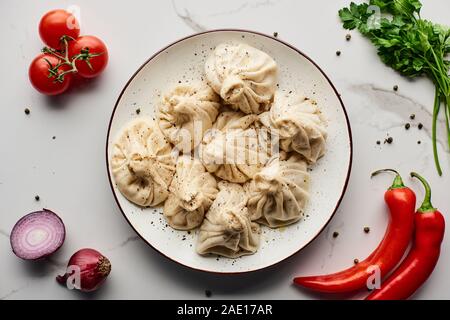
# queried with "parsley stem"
point(447, 119)
point(437, 105)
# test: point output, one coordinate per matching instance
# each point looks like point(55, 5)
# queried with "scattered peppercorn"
point(407, 126)
point(275, 34)
point(27, 111)
point(348, 36)
point(389, 140)
point(378, 142)
point(208, 293)
point(356, 261)
point(335, 234)
point(412, 116)
point(338, 53)
point(420, 126)
point(138, 111)
point(54, 137)
point(37, 198)
point(419, 142)
point(366, 229)
point(395, 87)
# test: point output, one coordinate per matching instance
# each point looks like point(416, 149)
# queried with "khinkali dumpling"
point(299, 125)
point(243, 76)
point(142, 163)
point(227, 229)
point(186, 113)
point(192, 192)
point(278, 194)
point(236, 148)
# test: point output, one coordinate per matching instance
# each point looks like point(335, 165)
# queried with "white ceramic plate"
point(183, 61)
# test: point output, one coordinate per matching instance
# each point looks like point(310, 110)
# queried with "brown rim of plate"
point(287, 45)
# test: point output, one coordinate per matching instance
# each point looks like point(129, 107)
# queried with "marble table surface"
point(69, 173)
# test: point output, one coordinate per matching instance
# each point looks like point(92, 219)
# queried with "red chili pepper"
point(401, 201)
point(424, 254)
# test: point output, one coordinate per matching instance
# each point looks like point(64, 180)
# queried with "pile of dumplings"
point(225, 155)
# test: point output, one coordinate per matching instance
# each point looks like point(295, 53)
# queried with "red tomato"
point(94, 55)
point(39, 72)
point(55, 24)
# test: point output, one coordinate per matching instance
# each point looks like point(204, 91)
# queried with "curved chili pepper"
point(401, 201)
point(424, 254)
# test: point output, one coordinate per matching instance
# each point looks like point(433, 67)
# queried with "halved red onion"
point(37, 235)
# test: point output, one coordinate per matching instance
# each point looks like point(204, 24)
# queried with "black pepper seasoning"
point(407, 126)
point(389, 140)
point(27, 111)
point(335, 234)
point(37, 198)
point(348, 36)
point(395, 88)
point(54, 137)
point(412, 116)
point(420, 126)
point(378, 142)
point(138, 111)
point(275, 34)
point(366, 229)
point(338, 53)
point(419, 142)
point(356, 261)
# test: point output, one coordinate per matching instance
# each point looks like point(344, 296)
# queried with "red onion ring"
point(37, 235)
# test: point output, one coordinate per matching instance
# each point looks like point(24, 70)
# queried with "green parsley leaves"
point(408, 44)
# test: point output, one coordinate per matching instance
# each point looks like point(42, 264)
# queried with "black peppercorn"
point(338, 53)
point(407, 126)
point(420, 126)
point(348, 36)
point(395, 87)
point(366, 229)
point(335, 234)
point(27, 111)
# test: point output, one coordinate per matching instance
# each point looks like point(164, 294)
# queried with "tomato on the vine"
point(92, 55)
point(55, 24)
point(44, 77)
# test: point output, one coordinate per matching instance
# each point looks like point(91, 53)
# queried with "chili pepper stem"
point(397, 183)
point(426, 204)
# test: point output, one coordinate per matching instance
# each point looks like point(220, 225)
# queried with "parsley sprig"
point(409, 44)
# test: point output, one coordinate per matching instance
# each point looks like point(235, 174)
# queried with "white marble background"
point(69, 173)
